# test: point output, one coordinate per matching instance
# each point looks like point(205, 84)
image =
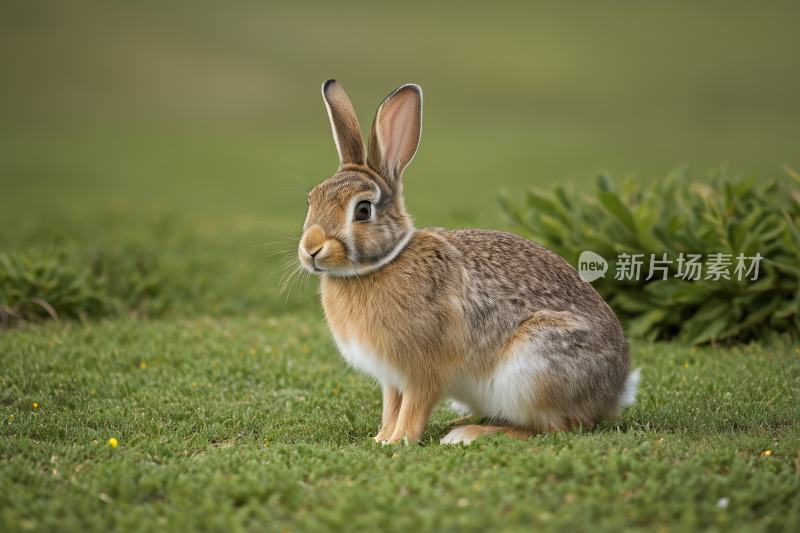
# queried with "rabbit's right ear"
point(395, 133)
point(346, 131)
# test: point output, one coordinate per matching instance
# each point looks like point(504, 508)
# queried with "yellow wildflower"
point(113, 442)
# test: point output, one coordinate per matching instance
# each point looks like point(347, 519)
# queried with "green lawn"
point(255, 424)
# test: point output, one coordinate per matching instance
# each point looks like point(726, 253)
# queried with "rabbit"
point(500, 324)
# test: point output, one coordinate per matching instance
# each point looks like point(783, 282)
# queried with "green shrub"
point(730, 216)
point(168, 269)
point(70, 282)
point(43, 281)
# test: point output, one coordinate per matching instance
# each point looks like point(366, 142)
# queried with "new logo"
point(591, 266)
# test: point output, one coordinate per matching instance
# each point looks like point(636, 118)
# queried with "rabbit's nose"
point(313, 240)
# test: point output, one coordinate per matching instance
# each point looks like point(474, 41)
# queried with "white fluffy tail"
point(628, 396)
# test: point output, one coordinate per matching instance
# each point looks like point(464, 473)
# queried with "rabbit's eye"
point(363, 211)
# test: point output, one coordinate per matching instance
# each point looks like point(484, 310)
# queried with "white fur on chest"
point(370, 363)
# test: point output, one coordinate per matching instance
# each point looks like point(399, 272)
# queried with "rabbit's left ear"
point(395, 133)
point(346, 131)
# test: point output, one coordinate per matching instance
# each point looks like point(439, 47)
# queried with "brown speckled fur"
point(430, 312)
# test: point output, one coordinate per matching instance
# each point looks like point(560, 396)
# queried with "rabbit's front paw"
point(383, 435)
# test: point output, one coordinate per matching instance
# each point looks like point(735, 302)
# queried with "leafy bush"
point(70, 282)
point(674, 215)
point(39, 282)
point(166, 269)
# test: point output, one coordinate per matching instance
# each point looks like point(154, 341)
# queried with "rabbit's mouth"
point(312, 267)
point(315, 269)
point(309, 261)
point(321, 253)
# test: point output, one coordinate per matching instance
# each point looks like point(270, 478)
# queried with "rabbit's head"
point(356, 219)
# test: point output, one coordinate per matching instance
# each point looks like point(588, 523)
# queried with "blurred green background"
point(170, 124)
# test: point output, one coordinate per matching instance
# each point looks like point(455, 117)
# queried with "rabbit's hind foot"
point(467, 434)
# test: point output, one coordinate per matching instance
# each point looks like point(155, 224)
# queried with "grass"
point(255, 424)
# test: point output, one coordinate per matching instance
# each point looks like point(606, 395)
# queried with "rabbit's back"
point(513, 277)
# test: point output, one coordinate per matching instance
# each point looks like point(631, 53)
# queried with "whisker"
point(276, 253)
point(290, 249)
point(356, 275)
point(281, 236)
point(301, 279)
point(287, 265)
point(297, 169)
point(308, 283)
point(293, 265)
point(290, 274)
point(305, 285)
point(278, 270)
point(304, 193)
point(289, 259)
point(298, 179)
point(293, 278)
point(280, 229)
point(301, 284)
point(268, 243)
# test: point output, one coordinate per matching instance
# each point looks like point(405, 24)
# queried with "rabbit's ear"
point(395, 133)
point(346, 131)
